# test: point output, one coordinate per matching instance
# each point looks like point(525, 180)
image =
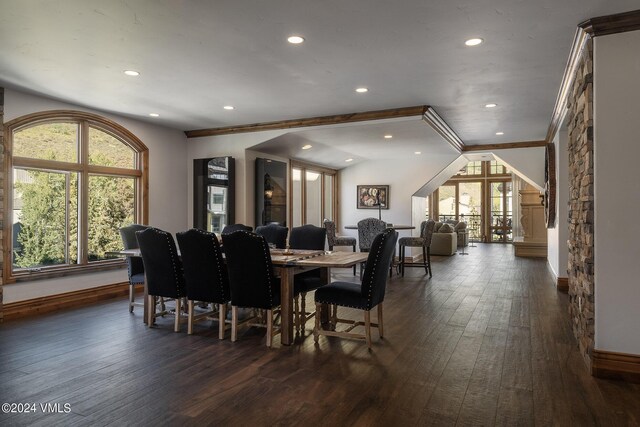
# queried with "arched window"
point(74, 179)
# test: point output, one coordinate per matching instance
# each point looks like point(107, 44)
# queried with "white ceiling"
point(197, 56)
point(332, 145)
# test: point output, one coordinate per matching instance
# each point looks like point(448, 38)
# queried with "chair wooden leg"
point(191, 315)
point(132, 296)
point(429, 259)
point(316, 328)
point(367, 327)
point(426, 261)
point(402, 252)
point(334, 316)
point(296, 314)
point(303, 312)
point(269, 327)
point(151, 311)
point(222, 308)
point(234, 323)
point(380, 329)
point(176, 326)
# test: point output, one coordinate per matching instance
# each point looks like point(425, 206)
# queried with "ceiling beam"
point(439, 125)
point(504, 146)
point(311, 121)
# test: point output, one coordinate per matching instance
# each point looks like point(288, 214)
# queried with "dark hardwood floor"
point(486, 341)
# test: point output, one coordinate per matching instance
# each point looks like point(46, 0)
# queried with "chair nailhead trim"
point(216, 245)
point(267, 258)
point(176, 274)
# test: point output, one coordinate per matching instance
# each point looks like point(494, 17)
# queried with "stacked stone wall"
point(581, 224)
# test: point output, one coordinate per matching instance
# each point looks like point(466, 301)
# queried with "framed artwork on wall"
point(372, 197)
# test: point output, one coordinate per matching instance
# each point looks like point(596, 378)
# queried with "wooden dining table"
point(288, 265)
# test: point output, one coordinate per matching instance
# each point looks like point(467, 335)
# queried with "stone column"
point(580, 217)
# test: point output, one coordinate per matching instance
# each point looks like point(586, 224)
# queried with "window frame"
point(304, 167)
point(85, 121)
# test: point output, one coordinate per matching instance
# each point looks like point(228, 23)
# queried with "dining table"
point(288, 263)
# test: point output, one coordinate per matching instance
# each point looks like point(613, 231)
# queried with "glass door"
point(500, 195)
point(447, 202)
point(213, 198)
point(470, 207)
point(217, 208)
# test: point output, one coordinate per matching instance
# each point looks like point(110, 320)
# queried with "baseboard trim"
point(49, 304)
point(616, 366)
point(563, 284)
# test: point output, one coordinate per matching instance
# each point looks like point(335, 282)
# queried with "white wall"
point(404, 179)
point(528, 163)
point(167, 183)
point(558, 252)
point(617, 192)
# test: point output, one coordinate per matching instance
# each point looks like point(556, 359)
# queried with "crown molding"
point(560, 108)
point(612, 24)
point(311, 121)
point(439, 125)
point(594, 27)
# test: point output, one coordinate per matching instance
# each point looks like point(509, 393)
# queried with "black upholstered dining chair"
point(306, 237)
point(335, 240)
point(228, 229)
point(205, 275)
point(163, 270)
point(365, 296)
point(275, 234)
point(424, 241)
point(135, 267)
point(251, 279)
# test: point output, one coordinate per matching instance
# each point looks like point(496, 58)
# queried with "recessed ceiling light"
point(491, 105)
point(229, 107)
point(295, 39)
point(349, 160)
point(154, 114)
point(473, 42)
point(418, 152)
point(362, 90)
point(306, 147)
point(388, 136)
point(499, 133)
point(131, 73)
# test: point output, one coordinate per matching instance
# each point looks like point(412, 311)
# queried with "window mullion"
point(67, 203)
point(83, 195)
